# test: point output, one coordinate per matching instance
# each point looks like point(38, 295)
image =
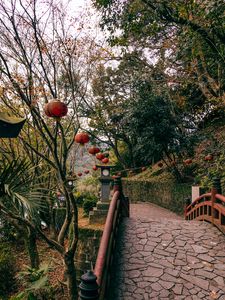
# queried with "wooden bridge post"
point(187, 203)
point(213, 197)
point(117, 186)
point(217, 185)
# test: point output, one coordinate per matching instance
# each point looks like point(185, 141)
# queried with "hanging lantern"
point(55, 109)
point(82, 138)
point(93, 150)
point(86, 171)
point(100, 156)
point(208, 157)
point(143, 169)
point(160, 165)
point(187, 161)
point(79, 174)
point(95, 168)
point(105, 160)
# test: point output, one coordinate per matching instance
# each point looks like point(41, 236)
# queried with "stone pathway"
point(161, 256)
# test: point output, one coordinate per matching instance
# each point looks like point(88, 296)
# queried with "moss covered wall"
point(87, 249)
point(166, 194)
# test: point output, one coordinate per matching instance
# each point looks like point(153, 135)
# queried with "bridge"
point(148, 252)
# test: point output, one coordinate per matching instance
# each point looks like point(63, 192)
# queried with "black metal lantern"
point(71, 181)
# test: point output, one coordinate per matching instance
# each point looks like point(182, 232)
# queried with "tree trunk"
point(31, 245)
point(70, 274)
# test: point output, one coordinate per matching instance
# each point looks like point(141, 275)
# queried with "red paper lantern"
point(187, 161)
point(79, 174)
point(100, 156)
point(94, 168)
point(105, 160)
point(208, 157)
point(82, 138)
point(143, 169)
point(86, 171)
point(56, 109)
point(93, 150)
point(160, 165)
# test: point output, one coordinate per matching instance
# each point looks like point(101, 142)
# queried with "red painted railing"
point(119, 207)
point(208, 207)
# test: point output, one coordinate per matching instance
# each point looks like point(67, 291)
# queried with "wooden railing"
point(119, 208)
point(208, 207)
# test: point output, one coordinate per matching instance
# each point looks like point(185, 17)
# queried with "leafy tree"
point(188, 38)
point(44, 56)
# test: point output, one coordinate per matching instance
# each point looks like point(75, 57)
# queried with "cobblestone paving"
point(161, 256)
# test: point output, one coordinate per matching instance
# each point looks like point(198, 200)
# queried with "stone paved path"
point(161, 256)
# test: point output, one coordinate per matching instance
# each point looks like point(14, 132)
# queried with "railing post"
point(217, 185)
point(213, 198)
point(88, 287)
point(117, 184)
point(125, 208)
point(187, 203)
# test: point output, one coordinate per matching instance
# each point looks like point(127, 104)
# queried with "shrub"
point(79, 198)
point(7, 232)
point(89, 203)
point(7, 269)
point(36, 284)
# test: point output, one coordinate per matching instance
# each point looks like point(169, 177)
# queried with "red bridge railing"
point(208, 207)
point(94, 285)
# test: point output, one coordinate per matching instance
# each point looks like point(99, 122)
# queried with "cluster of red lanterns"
point(83, 138)
point(208, 157)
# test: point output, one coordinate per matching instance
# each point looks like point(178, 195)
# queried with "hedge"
point(169, 195)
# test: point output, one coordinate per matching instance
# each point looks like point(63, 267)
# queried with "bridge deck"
point(161, 256)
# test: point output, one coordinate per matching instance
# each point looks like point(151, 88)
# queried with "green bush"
point(89, 203)
point(8, 232)
point(7, 269)
point(79, 198)
point(36, 284)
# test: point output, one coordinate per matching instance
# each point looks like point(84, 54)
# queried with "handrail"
point(94, 284)
point(196, 201)
point(101, 258)
point(208, 207)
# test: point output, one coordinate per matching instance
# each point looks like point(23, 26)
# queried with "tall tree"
point(44, 56)
point(188, 36)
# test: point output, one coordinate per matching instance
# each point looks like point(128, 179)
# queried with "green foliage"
point(7, 269)
point(8, 232)
point(88, 185)
point(79, 198)
point(36, 284)
point(89, 203)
